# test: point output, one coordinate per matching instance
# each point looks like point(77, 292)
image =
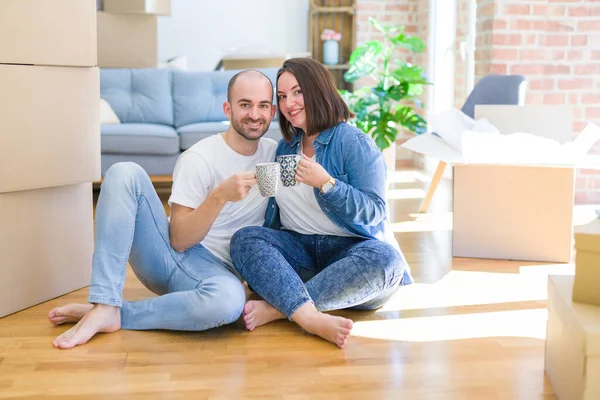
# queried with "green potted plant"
point(392, 102)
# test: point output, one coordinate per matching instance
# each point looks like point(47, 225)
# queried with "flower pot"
point(330, 52)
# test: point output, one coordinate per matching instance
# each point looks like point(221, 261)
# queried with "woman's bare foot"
point(259, 312)
point(101, 318)
point(329, 327)
point(68, 314)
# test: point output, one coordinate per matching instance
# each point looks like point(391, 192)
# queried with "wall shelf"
point(338, 15)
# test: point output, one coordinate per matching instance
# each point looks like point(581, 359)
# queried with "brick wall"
point(556, 45)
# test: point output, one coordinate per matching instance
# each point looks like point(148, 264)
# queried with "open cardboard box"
point(521, 208)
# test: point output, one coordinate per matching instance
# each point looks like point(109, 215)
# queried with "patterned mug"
point(267, 176)
point(288, 165)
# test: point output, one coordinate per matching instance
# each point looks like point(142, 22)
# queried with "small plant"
point(391, 104)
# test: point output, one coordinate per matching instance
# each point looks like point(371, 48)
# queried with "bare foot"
point(68, 314)
point(101, 318)
point(329, 327)
point(259, 312)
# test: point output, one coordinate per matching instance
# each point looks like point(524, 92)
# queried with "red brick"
point(592, 112)
point(575, 83)
point(531, 39)
point(507, 39)
point(573, 98)
point(504, 54)
point(369, 7)
point(554, 98)
point(499, 69)
point(589, 25)
point(534, 98)
point(579, 40)
point(557, 69)
point(541, 84)
point(533, 54)
point(527, 70)
point(554, 40)
point(590, 98)
point(555, 11)
point(517, 9)
point(557, 54)
point(584, 11)
point(574, 55)
point(587, 196)
point(540, 10)
point(596, 55)
point(397, 7)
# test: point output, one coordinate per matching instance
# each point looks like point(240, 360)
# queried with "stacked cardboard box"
point(128, 33)
point(49, 148)
point(586, 288)
point(572, 359)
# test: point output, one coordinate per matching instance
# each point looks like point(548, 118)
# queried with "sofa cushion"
point(139, 139)
point(138, 95)
point(191, 134)
point(199, 96)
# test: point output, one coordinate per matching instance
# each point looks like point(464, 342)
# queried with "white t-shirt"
point(202, 168)
point(300, 212)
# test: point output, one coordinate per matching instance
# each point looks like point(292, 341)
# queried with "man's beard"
point(247, 133)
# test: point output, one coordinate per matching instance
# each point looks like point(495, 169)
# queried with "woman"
point(334, 248)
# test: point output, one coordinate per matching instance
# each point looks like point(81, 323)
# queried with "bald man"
point(186, 260)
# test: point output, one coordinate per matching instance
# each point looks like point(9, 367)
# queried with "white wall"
point(205, 30)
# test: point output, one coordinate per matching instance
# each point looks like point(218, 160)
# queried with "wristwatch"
point(327, 186)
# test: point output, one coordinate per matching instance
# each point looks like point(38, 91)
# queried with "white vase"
point(330, 52)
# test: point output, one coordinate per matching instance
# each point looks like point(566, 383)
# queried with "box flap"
point(581, 321)
point(587, 237)
point(430, 144)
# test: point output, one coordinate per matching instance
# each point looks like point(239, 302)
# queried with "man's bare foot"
point(101, 318)
point(329, 327)
point(68, 314)
point(259, 312)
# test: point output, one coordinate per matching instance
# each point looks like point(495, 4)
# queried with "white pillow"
point(107, 114)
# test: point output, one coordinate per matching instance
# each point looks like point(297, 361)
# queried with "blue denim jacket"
point(357, 201)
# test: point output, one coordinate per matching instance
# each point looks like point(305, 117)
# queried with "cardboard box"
point(572, 356)
point(46, 244)
point(243, 61)
point(508, 210)
point(586, 288)
point(156, 7)
point(49, 119)
point(127, 41)
point(43, 32)
point(513, 212)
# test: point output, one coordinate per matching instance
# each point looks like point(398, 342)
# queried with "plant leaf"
point(411, 43)
point(383, 28)
point(412, 121)
point(398, 92)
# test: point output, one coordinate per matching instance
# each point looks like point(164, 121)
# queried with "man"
point(186, 262)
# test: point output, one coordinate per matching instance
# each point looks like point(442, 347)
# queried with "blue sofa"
point(163, 113)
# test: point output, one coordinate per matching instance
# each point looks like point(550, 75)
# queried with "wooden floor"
point(468, 329)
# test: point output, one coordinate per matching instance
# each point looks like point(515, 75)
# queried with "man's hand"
point(311, 172)
point(236, 187)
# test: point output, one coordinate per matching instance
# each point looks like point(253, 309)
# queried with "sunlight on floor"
point(407, 176)
point(518, 323)
point(425, 223)
point(395, 194)
point(468, 288)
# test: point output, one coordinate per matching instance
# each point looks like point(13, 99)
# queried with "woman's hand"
point(311, 173)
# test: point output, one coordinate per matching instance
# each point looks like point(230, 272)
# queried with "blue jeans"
point(196, 290)
point(288, 269)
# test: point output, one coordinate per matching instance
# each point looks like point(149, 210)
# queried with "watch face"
point(327, 186)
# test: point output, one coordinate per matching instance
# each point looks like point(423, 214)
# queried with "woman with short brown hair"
point(327, 242)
